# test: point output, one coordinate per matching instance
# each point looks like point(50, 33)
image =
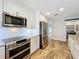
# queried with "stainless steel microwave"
point(13, 21)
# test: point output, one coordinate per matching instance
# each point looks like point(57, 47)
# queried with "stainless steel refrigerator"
point(43, 34)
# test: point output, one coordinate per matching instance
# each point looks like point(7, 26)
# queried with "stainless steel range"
point(18, 49)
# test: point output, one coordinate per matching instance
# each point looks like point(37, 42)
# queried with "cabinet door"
point(2, 52)
point(34, 44)
point(1, 1)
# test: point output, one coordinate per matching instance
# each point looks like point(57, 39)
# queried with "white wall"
point(59, 31)
point(50, 29)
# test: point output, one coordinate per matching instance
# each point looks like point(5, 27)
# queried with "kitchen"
point(13, 8)
point(35, 30)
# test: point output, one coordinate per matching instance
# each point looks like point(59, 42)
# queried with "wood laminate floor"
point(55, 50)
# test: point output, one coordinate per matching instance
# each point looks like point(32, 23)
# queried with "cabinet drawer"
point(19, 49)
point(21, 56)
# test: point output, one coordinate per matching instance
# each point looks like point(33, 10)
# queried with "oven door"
point(18, 51)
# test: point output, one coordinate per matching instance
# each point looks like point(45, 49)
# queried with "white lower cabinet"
point(74, 47)
point(2, 52)
point(34, 44)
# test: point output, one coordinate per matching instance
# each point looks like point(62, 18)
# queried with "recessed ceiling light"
point(61, 9)
point(48, 13)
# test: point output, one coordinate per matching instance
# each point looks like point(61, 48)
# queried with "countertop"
point(3, 42)
point(75, 38)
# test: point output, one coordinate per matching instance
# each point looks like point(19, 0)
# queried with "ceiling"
point(71, 7)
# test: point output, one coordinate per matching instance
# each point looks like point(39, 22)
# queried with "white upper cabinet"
point(1, 1)
point(43, 18)
point(36, 18)
point(1, 8)
point(69, 22)
point(31, 21)
point(72, 22)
